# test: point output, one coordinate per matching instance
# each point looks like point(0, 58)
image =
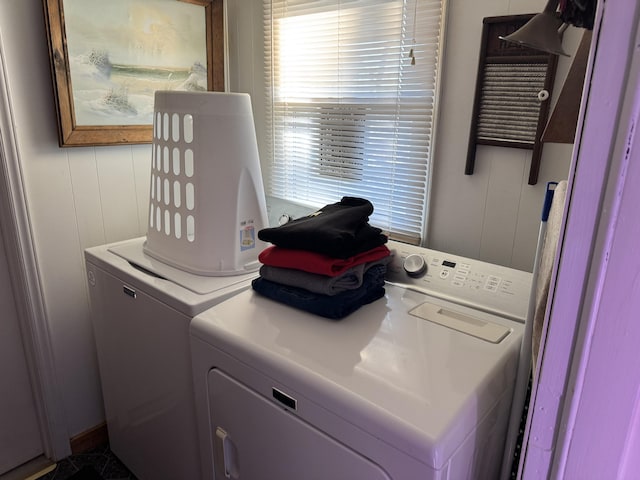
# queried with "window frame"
point(364, 103)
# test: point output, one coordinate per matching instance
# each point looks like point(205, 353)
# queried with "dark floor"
point(101, 459)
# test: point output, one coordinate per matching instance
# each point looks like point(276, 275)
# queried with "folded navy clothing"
point(335, 306)
point(350, 279)
point(339, 230)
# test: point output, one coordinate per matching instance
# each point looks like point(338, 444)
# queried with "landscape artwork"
point(121, 51)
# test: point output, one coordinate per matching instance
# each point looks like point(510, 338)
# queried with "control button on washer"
point(415, 265)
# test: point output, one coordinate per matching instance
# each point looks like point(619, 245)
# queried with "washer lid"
point(132, 251)
point(418, 385)
point(184, 291)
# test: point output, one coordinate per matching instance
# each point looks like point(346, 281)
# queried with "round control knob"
point(284, 218)
point(415, 265)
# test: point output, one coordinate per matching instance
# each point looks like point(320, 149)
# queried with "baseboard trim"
point(31, 470)
point(89, 439)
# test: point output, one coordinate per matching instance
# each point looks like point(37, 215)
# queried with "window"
point(351, 103)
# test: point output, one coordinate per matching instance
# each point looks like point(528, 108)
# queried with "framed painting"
point(109, 58)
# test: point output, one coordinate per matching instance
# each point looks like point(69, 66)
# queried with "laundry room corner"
point(76, 198)
point(84, 197)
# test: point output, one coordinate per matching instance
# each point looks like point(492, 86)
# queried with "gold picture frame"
point(162, 45)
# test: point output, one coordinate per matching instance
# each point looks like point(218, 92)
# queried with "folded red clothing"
point(316, 262)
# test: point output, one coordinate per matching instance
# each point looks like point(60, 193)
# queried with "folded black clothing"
point(334, 306)
point(339, 230)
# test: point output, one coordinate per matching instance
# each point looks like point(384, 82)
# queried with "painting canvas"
point(119, 58)
point(109, 58)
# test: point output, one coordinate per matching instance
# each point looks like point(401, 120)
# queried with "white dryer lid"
point(418, 385)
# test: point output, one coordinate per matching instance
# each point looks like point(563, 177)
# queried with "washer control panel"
point(484, 286)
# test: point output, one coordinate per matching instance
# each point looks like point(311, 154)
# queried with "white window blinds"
point(351, 100)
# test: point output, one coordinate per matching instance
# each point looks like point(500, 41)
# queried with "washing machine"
point(141, 309)
point(415, 386)
point(206, 205)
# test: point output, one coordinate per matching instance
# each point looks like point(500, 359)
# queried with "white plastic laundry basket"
point(207, 198)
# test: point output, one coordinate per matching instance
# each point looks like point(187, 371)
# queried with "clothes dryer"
point(141, 309)
point(415, 386)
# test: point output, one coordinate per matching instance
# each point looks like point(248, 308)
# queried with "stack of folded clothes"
point(329, 263)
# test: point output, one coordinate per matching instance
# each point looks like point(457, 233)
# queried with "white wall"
point(493, 215)
point(246, 60)
point(17, 407)
point(77, 198)
point(87, 196)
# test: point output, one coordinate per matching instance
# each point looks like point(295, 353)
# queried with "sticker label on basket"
point(247, 236)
